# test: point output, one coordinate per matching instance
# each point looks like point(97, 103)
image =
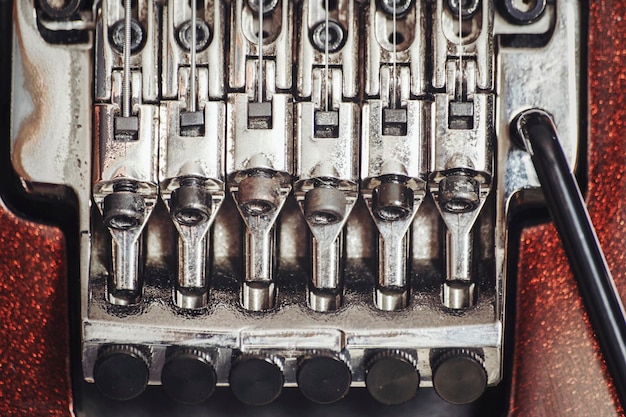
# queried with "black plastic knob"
point(256, 380)
point(459, 377)
point(392, 378)
point(188, 376)
point(324, 379)
point(121, 372)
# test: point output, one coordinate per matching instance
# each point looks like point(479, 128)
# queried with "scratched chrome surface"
point(77, 167)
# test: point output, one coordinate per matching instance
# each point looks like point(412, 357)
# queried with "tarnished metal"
point(259, 138)
point(192, 141)
point(125, 141)
point(462, 148)
point(216, 141)
point(395, 135)
point(327, 141)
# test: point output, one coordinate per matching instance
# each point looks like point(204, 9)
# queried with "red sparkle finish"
point(34, 335)
point(558, 368)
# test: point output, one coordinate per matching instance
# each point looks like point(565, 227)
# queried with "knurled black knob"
point(121, 372)
point(188, 376)
point(392, 377)
point(324, 379)
point(256, 380)
point(459, 376)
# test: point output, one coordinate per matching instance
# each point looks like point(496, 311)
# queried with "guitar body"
point(555, 367)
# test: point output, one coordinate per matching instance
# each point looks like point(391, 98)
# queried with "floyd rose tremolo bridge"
point(279, 193)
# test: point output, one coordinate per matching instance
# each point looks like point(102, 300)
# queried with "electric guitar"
point(329, 218)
